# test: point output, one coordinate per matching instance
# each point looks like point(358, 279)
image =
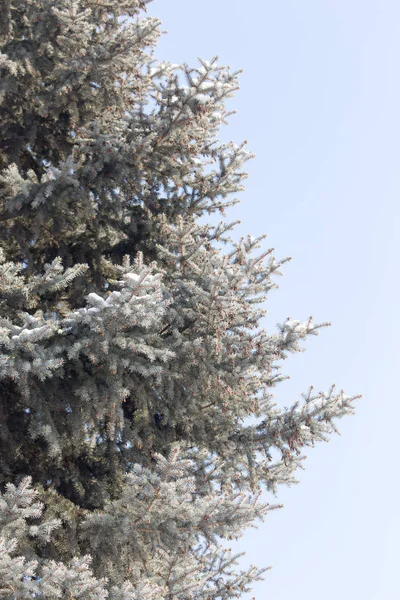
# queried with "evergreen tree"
point(131, 352)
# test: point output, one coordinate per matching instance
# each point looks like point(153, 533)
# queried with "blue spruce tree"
point(131, 347)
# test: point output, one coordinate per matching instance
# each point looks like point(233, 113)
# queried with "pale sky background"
point(319, 105)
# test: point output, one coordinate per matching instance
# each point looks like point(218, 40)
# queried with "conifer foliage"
point(131, 347)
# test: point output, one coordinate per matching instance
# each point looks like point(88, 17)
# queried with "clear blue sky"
point(319, 106)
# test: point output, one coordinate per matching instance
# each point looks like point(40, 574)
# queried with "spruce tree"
point(132, 353)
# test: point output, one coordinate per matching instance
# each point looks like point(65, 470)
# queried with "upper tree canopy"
point(126, 323)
